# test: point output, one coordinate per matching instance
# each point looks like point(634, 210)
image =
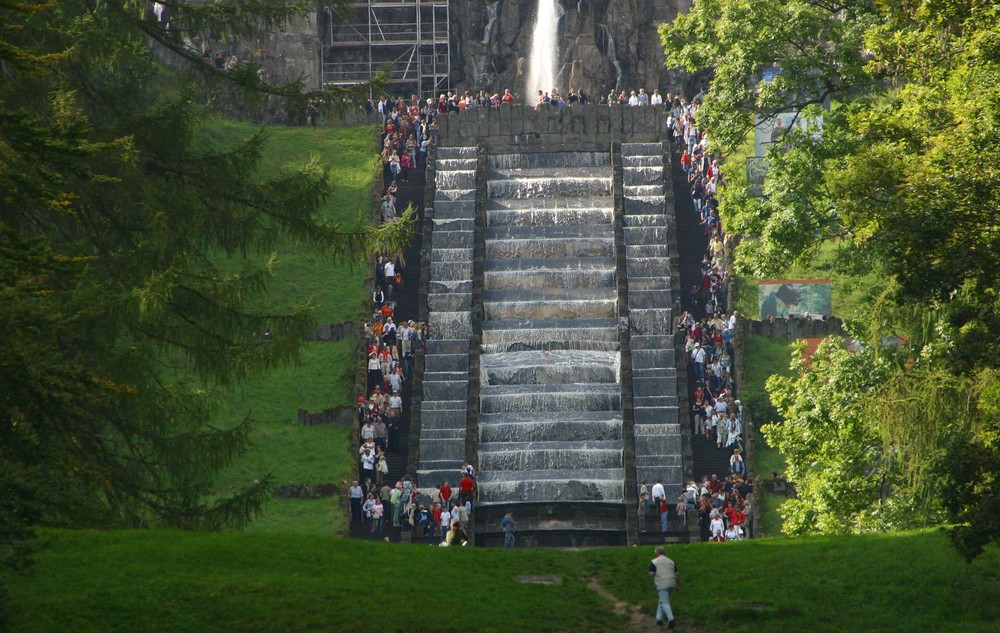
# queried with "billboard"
point(788, 297)
point(771, 131)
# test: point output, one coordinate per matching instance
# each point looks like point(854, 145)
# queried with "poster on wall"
point(795, 297)
point(768, 132)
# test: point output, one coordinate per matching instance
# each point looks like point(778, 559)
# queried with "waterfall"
point(612, 53)
point(544, 51)
point(493, 8)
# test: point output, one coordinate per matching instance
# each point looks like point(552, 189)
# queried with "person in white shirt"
point(390, 272)
point(395, 401)
point(656, 99)
point(633, 100)
point(657, 492)
point(717, 527)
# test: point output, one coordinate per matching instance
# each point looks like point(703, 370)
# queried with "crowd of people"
point(706, 330)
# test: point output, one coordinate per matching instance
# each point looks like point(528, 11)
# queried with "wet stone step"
point(442, 434)
point(651, 321)
point(556, 458)
point(647, 250)
point(461, 255)
point(642, 387)
point(645, 414)
point(446, 362)
point(650, 283)
point(645, 220)
point(448, 347)
point(446, 376)
point(450, 390)
point(549, 159)
point(643, 299)
point(642, 160)
point(562, 309)
point(647, 235)
point(542, 217)
point(456, 152)
point(549, 187)
point(451, 325)
point(601, 203)
point(550, 249)
point(497, 280)
point(451, 271)
point(673, 478)
point(557, 264)
point(658, 342)
point(570, 429)
point(450, 287)
point(642, 149)
point(451, 302)
point(637, 205)
point(547, 294)
point(659, 462)
point(453, 194)
point(494, 401)
point(454, 209)
point(657, 429)
point(453, 224)
point(642, 176)
point(569, 491)
point(643, 191)
point(454, 239)
point(455, 179)
point(658, 445)
point(654, 402)
point(653, 358)
point(661, 373)
point(592, 474)
point(440, 449)
point(648, 267)
point(455, 420)
point(549, 232)
point(550, 172)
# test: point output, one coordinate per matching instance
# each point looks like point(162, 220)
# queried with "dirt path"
point(639, 619)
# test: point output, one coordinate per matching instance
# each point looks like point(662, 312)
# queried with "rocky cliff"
point(603, 44)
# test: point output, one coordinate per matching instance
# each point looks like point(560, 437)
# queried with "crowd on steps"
point(706, 329)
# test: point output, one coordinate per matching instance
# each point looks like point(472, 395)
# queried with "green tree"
point(134, 264)
point(903, 173)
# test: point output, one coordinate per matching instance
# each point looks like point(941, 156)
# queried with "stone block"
point(646, 299)
point(455, 419)
point(657, 445)
point(450, 302)
point(446, 362)
point(652, 358)
point(656, 415)
point(438, 449)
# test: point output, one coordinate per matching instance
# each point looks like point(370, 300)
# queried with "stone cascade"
point(444, 408)
point(550, 428)
point(650, 254)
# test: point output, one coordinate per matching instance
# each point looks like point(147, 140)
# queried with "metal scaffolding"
point(408, 39)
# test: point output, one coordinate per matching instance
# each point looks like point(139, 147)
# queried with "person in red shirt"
point(507, 97)
point(445, 493)
point(465, 487)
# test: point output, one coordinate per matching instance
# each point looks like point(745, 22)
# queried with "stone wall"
point(580, 128)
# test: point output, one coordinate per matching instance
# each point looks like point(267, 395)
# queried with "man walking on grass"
point(666, 579)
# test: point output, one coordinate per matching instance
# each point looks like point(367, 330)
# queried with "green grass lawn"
point(160, 581)
point(324, 378)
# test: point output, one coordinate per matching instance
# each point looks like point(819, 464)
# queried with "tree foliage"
point(134, 263)
point(903, 173)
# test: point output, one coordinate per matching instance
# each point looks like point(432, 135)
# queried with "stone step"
point(442, 225)
point(451, 271)
point(652, 358)
point(446, 362)
point(456, 255)
point(450, 302)
point(643, 299)
point(656, 387)
point(650, 283)
point(445, 390)
point(655, 414)
point(454, 239)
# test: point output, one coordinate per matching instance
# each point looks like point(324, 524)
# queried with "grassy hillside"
point(174, 581)
point(324, 378)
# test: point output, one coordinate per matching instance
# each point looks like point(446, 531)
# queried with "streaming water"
point(544, 50)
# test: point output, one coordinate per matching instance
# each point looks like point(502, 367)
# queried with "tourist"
point(456, 535)
point(666, 579)
point(355, 494)
point(465, 488)
point(509, 525)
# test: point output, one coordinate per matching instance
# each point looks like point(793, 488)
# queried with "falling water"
point(493, 9)
point(544, 51)
point(612, 53)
